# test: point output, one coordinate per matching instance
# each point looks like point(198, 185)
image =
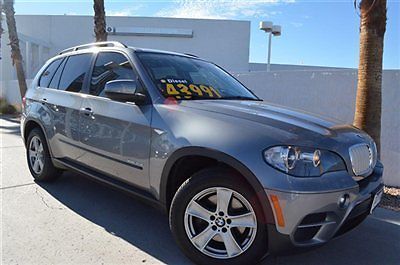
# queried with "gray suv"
point(239, 178)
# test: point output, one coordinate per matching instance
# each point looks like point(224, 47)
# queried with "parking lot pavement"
point(78, 221)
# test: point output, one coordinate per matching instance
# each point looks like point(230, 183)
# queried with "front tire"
point(216, 219)
point(38, 157)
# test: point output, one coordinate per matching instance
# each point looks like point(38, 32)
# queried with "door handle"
point(87, 111)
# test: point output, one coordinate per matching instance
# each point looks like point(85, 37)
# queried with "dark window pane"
point(74, 72)
point(48, 74)
point(109, 66)
point(56, 78)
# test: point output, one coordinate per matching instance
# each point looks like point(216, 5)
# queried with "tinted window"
point(48, 74)
point(74, 72)
point(56, 78)
point(109, 66)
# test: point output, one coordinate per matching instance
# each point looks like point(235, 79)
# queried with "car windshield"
point(186, 78)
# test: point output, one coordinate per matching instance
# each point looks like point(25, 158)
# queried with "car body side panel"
point(58, 113)
point(65, 109)
point(35, 110)
point(175, 128)
point(116, 139)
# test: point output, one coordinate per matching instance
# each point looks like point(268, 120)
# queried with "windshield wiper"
point(241, 98)
point(196, 97)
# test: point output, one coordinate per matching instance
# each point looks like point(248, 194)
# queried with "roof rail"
point(94, 44)
point(193, 55)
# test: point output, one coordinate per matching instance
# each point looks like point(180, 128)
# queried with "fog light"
point(344, 201)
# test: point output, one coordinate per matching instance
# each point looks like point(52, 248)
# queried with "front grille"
point(362, 157)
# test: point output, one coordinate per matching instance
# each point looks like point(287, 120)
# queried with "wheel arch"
point(29, 125)
point(167, 177)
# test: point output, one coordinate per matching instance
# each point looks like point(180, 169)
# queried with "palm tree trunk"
point(1, 25)
point(369, 87)
point(14, 43)
point(99, 20)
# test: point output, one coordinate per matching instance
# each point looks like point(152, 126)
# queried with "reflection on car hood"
point(288, 125)
point(265, 113)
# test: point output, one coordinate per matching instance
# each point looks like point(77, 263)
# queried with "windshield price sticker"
point(182, 89)
point(174, 81)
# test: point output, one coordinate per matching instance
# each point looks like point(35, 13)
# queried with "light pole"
point(270, 29)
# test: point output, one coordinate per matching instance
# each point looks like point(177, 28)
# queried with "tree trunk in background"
point(1, 26)
point(369, 87)
point(99, 20)
point(16, 57)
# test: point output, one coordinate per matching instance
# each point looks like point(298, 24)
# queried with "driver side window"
point(109, 66)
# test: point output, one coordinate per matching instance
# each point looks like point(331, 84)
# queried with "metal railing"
point(94, 44)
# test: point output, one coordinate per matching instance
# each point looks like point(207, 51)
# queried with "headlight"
point(374, 151)
point(303, 161)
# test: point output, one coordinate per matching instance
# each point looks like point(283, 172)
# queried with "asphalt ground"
point(78, 221)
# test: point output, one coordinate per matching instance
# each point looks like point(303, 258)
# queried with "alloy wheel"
point(220, 223)
point(36, 155)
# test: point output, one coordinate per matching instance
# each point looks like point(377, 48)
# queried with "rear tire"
point(215, 218)
point(38, 157)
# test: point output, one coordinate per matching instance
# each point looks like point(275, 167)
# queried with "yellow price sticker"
point(187, 91)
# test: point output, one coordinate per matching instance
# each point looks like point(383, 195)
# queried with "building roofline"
point(146, 17)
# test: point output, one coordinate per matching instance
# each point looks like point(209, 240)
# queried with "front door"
point(115, 135)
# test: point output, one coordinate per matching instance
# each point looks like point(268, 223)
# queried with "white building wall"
point(332, 94)
point(215, 40)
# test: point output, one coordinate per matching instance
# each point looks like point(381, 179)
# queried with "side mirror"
point(123, 91)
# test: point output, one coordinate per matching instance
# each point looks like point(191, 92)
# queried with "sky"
point(323, 32)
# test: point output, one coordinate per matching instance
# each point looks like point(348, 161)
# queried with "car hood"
point(290, 126)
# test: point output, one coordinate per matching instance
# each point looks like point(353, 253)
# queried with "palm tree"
point(99, 20)
point(1, 25)
point(1, 20)
point(369, 87)
point(16, 57)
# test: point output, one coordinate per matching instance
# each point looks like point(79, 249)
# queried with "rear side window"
point(109, 66)
point(48, 74)
point(56, 78)
point(74, 72)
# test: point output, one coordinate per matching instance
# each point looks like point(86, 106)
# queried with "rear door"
point(70, 80)
point(115, 135)
point(47, 94)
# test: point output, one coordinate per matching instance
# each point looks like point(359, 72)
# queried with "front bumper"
point(311, 219)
